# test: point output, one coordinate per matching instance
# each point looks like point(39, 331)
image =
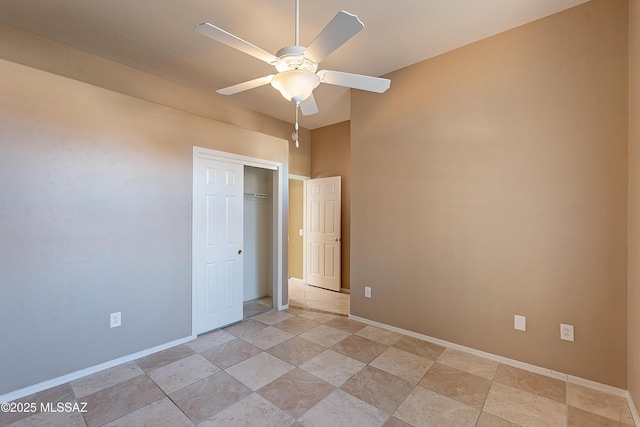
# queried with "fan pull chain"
point(295, 134)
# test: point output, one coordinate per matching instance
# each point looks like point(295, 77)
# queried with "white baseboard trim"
point(17, 394)
point(505, 360)
point(283, 307)
point(634, 409)
point(597, 386)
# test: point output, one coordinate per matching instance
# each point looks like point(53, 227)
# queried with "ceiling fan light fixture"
point(295, 85)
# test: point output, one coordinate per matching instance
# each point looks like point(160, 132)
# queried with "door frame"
point(304, 226)
point(280, 187)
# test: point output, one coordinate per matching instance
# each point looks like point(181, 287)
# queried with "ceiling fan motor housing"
point(292, 58)
point(296, 76)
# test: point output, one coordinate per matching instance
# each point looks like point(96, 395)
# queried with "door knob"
point(336, 239)
point(239, 251)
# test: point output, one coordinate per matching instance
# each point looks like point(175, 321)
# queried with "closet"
point(258, 238)
point(238, 238)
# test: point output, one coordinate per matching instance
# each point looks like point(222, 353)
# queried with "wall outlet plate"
point(519, 323)
point(566, 332)
point(367, 292)
point(116, 319)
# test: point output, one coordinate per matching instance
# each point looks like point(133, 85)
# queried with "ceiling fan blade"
point(355, 81)
point(220, 35)
point(309, 106)
point(241, 87)
point(341, 28)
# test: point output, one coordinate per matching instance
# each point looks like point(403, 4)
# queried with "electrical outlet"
point(367, 292)
point(116, 319)
point(566, 332)
point(519, 323)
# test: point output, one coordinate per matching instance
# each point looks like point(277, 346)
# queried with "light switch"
point(520, 323)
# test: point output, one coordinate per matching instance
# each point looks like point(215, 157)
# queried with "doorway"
point(296, 228)
point(218, 236)
point(302, 294)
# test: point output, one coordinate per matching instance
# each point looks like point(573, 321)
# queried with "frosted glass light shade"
point(295, 85)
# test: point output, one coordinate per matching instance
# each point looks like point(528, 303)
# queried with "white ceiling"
point(158, 37)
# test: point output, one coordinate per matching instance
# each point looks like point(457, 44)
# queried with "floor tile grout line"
point(481, 410)
point(417, 384)
point(443, 395)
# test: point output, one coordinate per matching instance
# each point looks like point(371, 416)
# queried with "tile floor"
point(257, 306)
point(302, 296)
point(306, 368)
point(318, 299)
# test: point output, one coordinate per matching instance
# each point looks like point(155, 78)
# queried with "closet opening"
point(258, 241)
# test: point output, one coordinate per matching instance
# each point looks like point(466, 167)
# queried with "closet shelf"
point(258, 195)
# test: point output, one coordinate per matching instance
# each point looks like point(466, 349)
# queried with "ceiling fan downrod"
point(297, 43)
point(297, 35)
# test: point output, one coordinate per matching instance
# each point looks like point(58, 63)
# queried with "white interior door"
point(323, 232)
point(218, 243)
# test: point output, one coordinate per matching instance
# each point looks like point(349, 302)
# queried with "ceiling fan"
point(297, 66)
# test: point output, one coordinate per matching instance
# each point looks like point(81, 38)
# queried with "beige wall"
point(300, 157)
point(634, 203)
point(29, 49)
point(331, 156)
point(492, 181)
point(96, 218)
point(296, 223)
